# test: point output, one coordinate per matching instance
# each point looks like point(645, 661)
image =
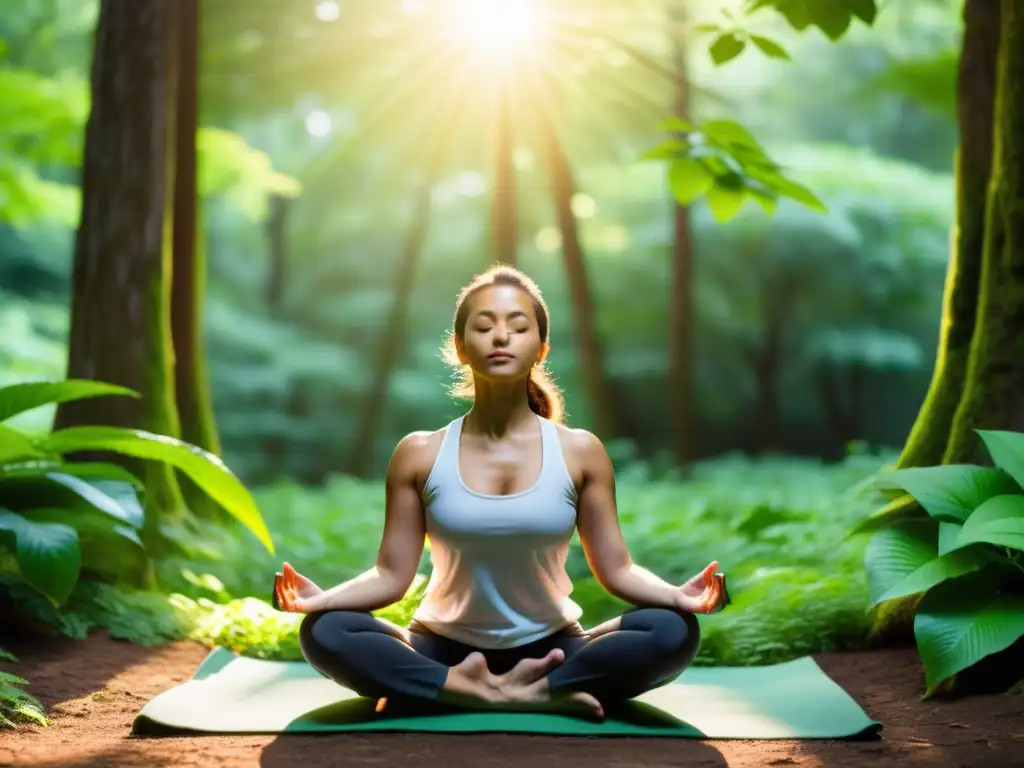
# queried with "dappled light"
point(467, 370)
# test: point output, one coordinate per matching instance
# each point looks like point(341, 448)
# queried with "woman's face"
point(501, 340)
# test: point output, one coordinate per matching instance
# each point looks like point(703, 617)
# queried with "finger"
point(709, 572)
point(708, 599)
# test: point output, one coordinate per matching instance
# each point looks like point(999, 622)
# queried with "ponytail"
point(544, 398)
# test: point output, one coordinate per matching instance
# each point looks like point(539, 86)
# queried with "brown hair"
point(544, 396)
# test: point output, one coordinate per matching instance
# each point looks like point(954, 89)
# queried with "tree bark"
point(188, 265)
point(978, 380)
point(976, 89)
point(192, 388)
point(588, 340)
point(681, 305)
point(120, 319)
point(993, 396)
point(503, 203)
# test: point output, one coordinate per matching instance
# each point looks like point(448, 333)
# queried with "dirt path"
point(93, 689)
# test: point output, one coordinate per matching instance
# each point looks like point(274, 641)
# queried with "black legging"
point(652, 646)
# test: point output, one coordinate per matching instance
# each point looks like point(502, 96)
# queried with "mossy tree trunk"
point(993, 395)
point(120, 319)
point(188, 263)
point(979, 378)
point(976, 89)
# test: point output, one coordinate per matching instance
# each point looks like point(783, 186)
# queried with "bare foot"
point(524, 688)
point(531, 670)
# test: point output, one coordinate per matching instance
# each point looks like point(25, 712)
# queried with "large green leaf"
point(19, 398)
point(894, 553)
point(998, 521)
point(108, 547)
point(47, 554)
point(202, 467)
point(15, 446)
point(948, 534)
point(938, 570)
point(1007, 451)
point(951, 492)
point(960, 622)
point(111, 497)
point(689, 179)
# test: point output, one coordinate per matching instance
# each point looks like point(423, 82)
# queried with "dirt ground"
point(93, 688)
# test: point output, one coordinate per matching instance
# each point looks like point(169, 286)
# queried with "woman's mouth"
point(499, 356)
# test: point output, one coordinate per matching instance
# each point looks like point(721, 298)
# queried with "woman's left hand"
point(705, 592)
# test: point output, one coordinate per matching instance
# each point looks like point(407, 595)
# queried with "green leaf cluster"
point(17, 706)
point(721, 160)
point(962, 555)
point(58, 518)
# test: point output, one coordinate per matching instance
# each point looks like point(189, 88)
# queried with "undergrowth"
point(776, 526)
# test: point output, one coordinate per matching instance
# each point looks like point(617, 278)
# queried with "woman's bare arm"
point(401, 543)
point(601, 536)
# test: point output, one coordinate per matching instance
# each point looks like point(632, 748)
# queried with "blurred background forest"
point(811, 330)
point(359, 161)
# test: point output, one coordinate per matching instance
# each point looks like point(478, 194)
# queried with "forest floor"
point(92, 690)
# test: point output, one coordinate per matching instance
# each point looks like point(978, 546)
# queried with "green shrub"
point(962, 553)
point(59, 518)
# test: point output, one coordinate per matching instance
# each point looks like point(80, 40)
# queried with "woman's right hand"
point(293, 592)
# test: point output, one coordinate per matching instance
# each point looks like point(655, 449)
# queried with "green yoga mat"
point(234, 694)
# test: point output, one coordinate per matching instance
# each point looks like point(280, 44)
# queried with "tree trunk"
point(993, 395)
point(988, 259)
point(976, 89)
point(391, 341)
point(120, 318)
point(681, 311)
point(188, 264)
point(591, 350)
point(503, 203)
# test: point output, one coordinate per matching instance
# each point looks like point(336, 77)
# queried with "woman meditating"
point(499, 492)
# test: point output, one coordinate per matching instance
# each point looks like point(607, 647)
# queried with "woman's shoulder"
point(582, 448)
point(415, 454)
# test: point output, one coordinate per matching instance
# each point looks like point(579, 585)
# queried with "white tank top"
point(498, 578)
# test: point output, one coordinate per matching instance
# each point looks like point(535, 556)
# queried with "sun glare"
point(497, 26)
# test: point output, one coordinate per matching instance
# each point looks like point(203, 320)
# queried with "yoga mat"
point(236, 694)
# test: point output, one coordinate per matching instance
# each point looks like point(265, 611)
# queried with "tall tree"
point(979, 373)
point(188, 263)
point(929, 438)
point(120, 319)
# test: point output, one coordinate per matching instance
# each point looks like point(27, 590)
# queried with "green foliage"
point(930, 80)
point(57, 517)
point(723, 162)
point(833, 17)
point(17, 706)
point(963, 553)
